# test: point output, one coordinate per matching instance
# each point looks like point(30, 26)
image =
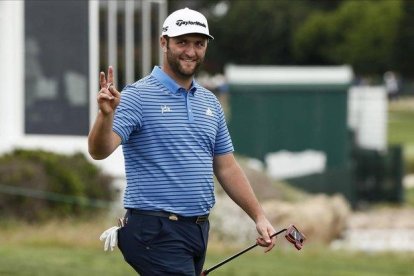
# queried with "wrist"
point(105, 113)
point(259, 217)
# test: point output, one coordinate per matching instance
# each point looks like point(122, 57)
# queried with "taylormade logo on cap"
point(181, 22)
point(185, 21)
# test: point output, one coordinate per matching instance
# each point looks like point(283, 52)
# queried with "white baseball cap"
point(185, 21)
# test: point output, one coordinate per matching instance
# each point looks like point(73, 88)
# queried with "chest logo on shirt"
point(165, 108)
point(209, 112)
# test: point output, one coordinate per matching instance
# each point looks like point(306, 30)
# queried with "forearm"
point(101, 140)
point(236, 185)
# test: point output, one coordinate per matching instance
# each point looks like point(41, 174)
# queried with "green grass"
point(318, 261)
point(401, 130)
point(400, 123)
point(400, 127)
point(62, 261)
point(72, 247)
point(409, 197)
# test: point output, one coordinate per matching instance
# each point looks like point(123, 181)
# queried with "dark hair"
point(168, 39)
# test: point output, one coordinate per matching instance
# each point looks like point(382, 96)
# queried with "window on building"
point(56, 67)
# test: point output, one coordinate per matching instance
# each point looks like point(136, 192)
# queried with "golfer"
point(174, 137)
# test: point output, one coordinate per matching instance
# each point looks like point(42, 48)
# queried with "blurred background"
point(318, 96)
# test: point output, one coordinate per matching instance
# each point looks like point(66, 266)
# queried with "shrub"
point(409, 164)
point(36, 184)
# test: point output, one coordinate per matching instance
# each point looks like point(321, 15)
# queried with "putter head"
point(294, 236)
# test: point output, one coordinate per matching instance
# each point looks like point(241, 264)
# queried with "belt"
point(170, 216)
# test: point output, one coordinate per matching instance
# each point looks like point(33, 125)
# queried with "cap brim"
point(175, 35)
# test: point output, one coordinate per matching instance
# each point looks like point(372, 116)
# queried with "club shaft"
point(207, 271)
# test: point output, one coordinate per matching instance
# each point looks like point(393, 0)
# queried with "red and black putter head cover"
point(294, 236)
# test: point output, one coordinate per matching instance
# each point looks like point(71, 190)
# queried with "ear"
point(163, 44)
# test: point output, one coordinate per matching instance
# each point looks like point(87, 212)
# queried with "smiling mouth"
point(189, 64)
point(189, 61)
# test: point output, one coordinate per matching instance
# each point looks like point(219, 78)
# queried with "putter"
point(293, 235)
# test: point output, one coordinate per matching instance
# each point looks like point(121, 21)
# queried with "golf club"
point(293, 235)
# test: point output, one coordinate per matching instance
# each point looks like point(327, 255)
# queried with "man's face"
point(186, 53)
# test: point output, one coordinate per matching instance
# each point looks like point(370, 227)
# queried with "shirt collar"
point(169, 83)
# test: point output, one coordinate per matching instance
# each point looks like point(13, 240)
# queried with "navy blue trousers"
point(159, 246)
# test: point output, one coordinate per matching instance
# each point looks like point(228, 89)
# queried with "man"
point(174, 136)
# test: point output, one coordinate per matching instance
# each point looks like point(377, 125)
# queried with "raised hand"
point(108, 97)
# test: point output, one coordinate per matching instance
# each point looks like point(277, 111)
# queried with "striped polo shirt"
point(169, 138)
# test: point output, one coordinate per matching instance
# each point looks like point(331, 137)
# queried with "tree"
point(360, 33)
point(404, 44)
point(254, 32)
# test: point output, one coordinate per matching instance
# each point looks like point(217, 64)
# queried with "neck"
point(183, 81)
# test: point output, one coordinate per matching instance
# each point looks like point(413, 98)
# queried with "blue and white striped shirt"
point(169, 138)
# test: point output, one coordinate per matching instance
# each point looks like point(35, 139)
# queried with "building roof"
point(282, 75)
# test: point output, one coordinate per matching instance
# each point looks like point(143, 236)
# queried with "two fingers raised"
point(108, 90)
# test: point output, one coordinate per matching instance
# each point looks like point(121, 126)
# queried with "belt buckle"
point(201, 219)
point(173, 217)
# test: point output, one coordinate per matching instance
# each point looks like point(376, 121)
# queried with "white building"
point(50, 55)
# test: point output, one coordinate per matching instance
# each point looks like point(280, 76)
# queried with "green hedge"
point(409, 164)
point(36, 184)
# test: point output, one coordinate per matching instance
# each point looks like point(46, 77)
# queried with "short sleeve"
point(223, 142)
point(128, 115)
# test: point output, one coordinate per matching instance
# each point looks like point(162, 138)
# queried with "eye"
point(200, 44)
point(181, 42)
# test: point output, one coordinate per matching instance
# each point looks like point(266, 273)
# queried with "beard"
point(176, 66)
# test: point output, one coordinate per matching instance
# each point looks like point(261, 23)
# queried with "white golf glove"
point(111, 238)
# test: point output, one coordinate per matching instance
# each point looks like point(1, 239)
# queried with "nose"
point(190, 50)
